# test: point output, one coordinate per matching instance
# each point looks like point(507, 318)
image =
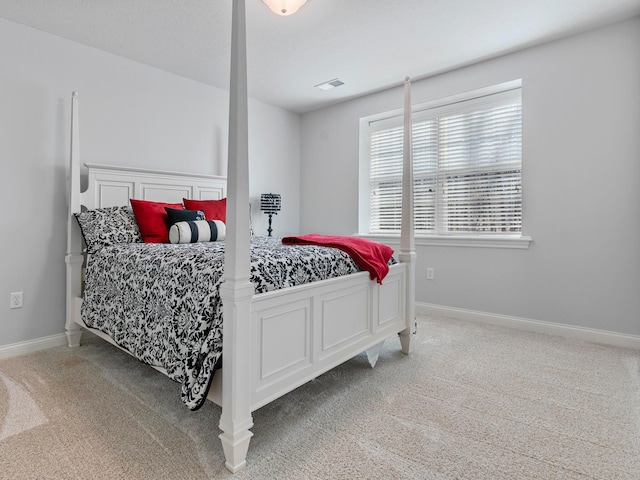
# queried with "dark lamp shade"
point(270, 203)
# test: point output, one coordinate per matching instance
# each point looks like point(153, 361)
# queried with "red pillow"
point(213, 209)
point(152, 219)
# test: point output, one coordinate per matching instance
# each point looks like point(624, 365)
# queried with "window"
point(467, 154)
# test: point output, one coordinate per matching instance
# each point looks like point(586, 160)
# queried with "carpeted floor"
point(472, 402)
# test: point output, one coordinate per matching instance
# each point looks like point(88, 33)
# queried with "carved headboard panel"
point(110, 186)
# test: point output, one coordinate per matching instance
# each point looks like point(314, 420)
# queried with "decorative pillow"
point(152, 219)
point(103, 227)
point(197, 231)
point(213, 209)
point(175, 215)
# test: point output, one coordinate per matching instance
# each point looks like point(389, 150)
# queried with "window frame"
point(493, 240)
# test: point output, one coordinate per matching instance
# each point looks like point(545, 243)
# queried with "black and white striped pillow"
point(197, 231)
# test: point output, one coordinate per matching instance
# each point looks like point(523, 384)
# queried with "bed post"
point(74, 257)
point(407, 240)
point(237, 290)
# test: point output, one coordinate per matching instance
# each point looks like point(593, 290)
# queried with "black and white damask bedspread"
point(161, 301)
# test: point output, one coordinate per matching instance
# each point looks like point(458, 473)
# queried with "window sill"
point(458, 241)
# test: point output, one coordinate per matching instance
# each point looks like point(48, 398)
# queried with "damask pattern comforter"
point(161, 302)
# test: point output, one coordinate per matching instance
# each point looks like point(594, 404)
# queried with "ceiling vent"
point(330, 84)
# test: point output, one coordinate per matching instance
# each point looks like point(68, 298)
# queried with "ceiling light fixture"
point(329, 84)
point(284, 7)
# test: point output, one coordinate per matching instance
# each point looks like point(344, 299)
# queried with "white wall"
point(581, 162)
point(130, 114)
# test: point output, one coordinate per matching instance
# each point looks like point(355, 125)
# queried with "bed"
point(272, 338)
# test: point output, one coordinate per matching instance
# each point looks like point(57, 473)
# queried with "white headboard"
point(110, 186)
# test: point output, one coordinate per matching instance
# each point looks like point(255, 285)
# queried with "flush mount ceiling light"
point(330, 84)
point(284, 7)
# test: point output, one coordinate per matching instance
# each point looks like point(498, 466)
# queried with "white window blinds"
point(467, 168)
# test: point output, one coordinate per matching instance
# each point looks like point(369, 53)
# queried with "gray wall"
point(581, 110)
point(130, 114)
point(581, 162)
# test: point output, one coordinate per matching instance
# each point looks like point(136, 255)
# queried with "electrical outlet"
point(430, 273)
point(16, 300)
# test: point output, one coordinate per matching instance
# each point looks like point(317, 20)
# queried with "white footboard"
point(299, 333)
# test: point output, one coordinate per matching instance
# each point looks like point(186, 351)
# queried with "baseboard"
point(570, 331)
point(30, 346)
point(550, 328)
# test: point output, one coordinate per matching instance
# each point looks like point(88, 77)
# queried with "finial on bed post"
point(237, 290)
point(74, 257)
point(407, 235)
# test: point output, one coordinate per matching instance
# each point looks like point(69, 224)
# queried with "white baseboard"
point(30, 346)
point(550, 328)
point(570, 331)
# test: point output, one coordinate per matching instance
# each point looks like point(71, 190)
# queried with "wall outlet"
point(16, 300)
point(430, 273)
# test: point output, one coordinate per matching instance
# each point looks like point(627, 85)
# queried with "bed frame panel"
point(113, 186)
point(302, 332)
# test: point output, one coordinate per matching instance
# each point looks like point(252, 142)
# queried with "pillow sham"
point(197, 231)
point(175, 215)
point(104, 227)
point(213, 209)
point(152, 219)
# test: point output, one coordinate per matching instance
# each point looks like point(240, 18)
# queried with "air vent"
point(330, 84)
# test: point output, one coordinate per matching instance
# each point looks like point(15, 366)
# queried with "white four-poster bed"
point(273, 342)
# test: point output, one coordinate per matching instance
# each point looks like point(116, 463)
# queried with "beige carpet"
point(472, 402)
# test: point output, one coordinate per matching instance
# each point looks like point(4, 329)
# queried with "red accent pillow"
point(152, 219)
point(213, 209)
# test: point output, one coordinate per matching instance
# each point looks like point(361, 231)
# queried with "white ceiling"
point(368, 44)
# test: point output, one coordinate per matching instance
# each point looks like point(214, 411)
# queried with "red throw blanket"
point(370, 256)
